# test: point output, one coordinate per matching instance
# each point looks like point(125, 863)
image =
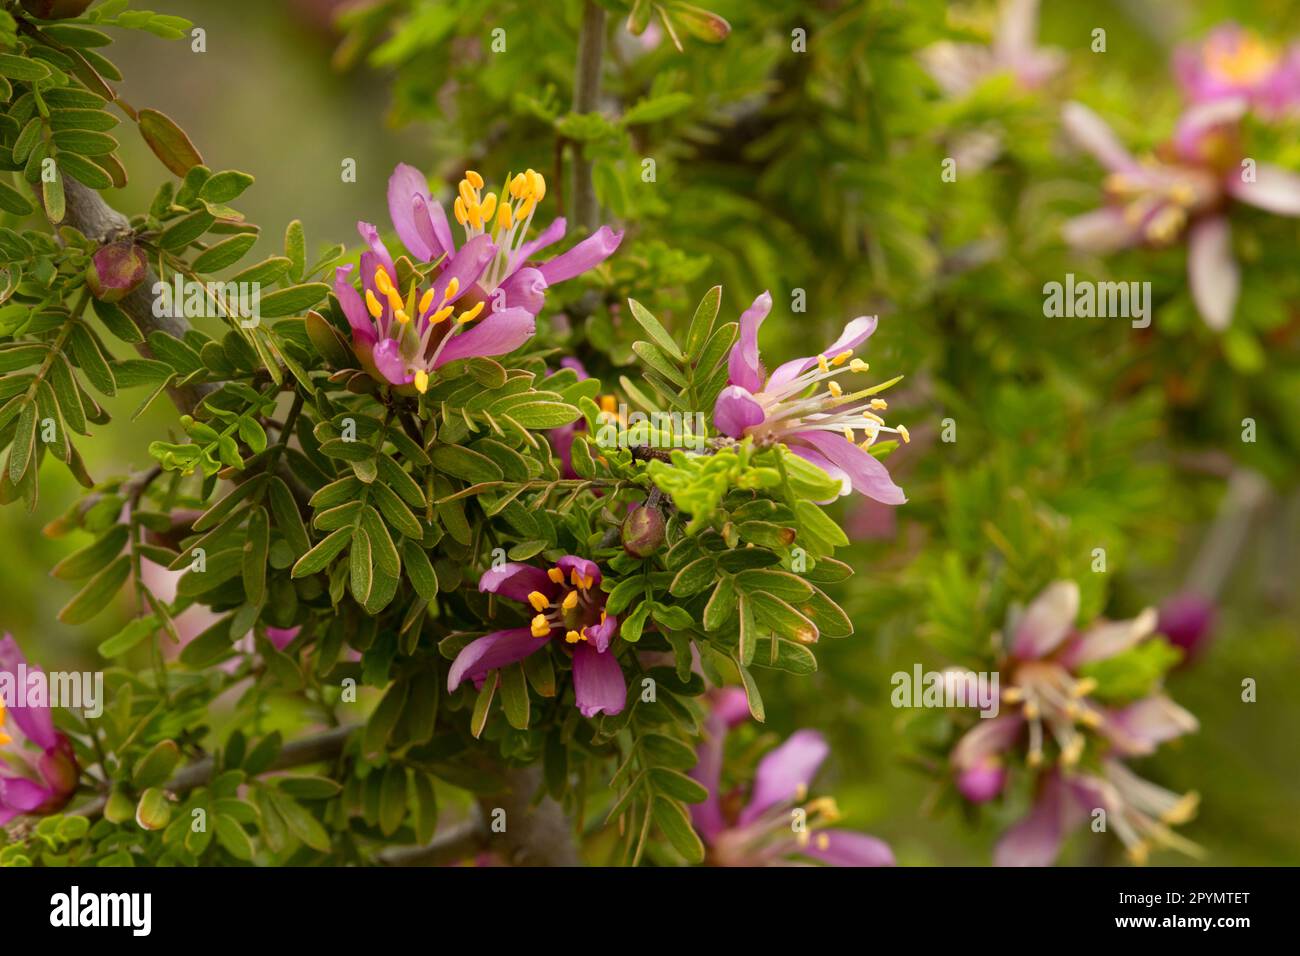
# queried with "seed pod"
point(643, 531)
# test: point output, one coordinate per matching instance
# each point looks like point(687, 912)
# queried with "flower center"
point(794, 407)
point(1052, 697)
point(505, 216)
point(572, 612)
point(1246, 60)
point(419, 342)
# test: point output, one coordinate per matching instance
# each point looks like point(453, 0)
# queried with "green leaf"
point(93, 557)
point(322, 554)
point(701, 327)
point(466, 464)
point(676, 784)
point(295, 248)
point(232, 837)
point(23, 68)
point(13, 201)
point(514, 696)
point(360, 569)
point(168, 141)
point(225, 186)
point(674, 823)
point(94, 597)
point(294, 300)
point(224, 253)
point(300, 822)
point(135, 631)
point(256, 547)
point(155, 768)
point(419, 570)
point(655, 330)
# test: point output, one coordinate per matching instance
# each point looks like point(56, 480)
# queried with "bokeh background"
point(820, 171)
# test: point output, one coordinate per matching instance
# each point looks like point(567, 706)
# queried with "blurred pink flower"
point(38, 767)
point(1237, 64)
point(960, 67)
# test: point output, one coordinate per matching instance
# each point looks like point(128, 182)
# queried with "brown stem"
point(586, 98)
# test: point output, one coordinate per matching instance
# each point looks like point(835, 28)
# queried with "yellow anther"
point(470, 315)
point(904, 434)
point(575, 578)
point(1084, 687)
point(401, 316)
point(476, 216)
point(1013, 695)
point(556, 575)
point(394, 298)
point(834, 388)
point(823, 842)
point(426, 300)
point(459, 208)
point(442, 314)
point(842, 357)
point(573, 637)
point(822, 364)
point(382, 282)
point(372, 305)
point(570, 601)
point(538, 600)
point(541, 187)
point(872, 417)
point(1183, 810)
point(474, 178)
point(527, 208)
point(540, 626)
point(848, 436)
point(518, 184)
point(504, 219)
point(421, 381)
point(609, 403)
point(488, 207)
point(452, 288)
point(857, 365)
point(467, 194)
point(1031, 710)
point(800, 792)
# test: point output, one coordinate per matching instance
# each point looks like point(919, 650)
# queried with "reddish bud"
point(115, 270)
point(56, 9)
point(643, 531)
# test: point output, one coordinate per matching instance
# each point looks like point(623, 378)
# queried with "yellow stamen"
point(842, 357)
point(401, 316)
point(1183, 810)
point(421, 381)
point(1084, 687)
point(503, 217)
point(573, 637)
point(452, 288)
point(471, 314)
point(540, 626)
point(570, 601)
point(823, 842)
point(474, 178)
point(857, 365)
point(476, 216)
point(373, 306)
point(538, 600)
point(822, 364)
point(608, 403)
point(834, 389)
point(394, 298)
point(488, 207)
point(904, 434)
point(467, 194)
point(879, 404)
point(382, 282)
point(441, 314)
point(459, 208)
point(426, 300)
point(556, 575)
point(848, 436)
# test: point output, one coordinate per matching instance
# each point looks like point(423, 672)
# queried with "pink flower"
point(568, 607)
point(760, 828)
point(38, 767)
point(960, 67)
point(484, 296)
point(1187, 619)
point(819, 426)
point(1237, 64)
point(1187, 192)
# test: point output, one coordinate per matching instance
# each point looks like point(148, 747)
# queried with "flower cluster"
point(760, 826)
point(480, 299)
point(568, 609)
point(1058, 723)
point(803, 406)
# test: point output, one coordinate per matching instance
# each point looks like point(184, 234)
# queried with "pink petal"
point(363, 330)
point(516, 581)
point(548, 237)
point(1274, 189)
point(490, 652)
point(465, 267)
point(1101, 231)
point(744, 367)
point(846, 848)
point(405, 185)
point(1105, 639)
point(783, 776)
point(387, 356)
point(1047, 621)
point(1089, 131)
point(707, 815)
point(1036, 839)
point(855, 333)
point(735, 410)
point(587, 569)
point(1212, 272)
point(433, 228)
point(868, 475)
point(598, 683)
point(525, 289)
point(1136, 730)
point(36, 723)
point(826, 465)
point(499, 333)
point(587, 254)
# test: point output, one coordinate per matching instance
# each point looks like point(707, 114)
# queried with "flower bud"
point(56, 9)
point(1187, 620)
point(984, 781)
point(643, 531)
point(116, 269)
